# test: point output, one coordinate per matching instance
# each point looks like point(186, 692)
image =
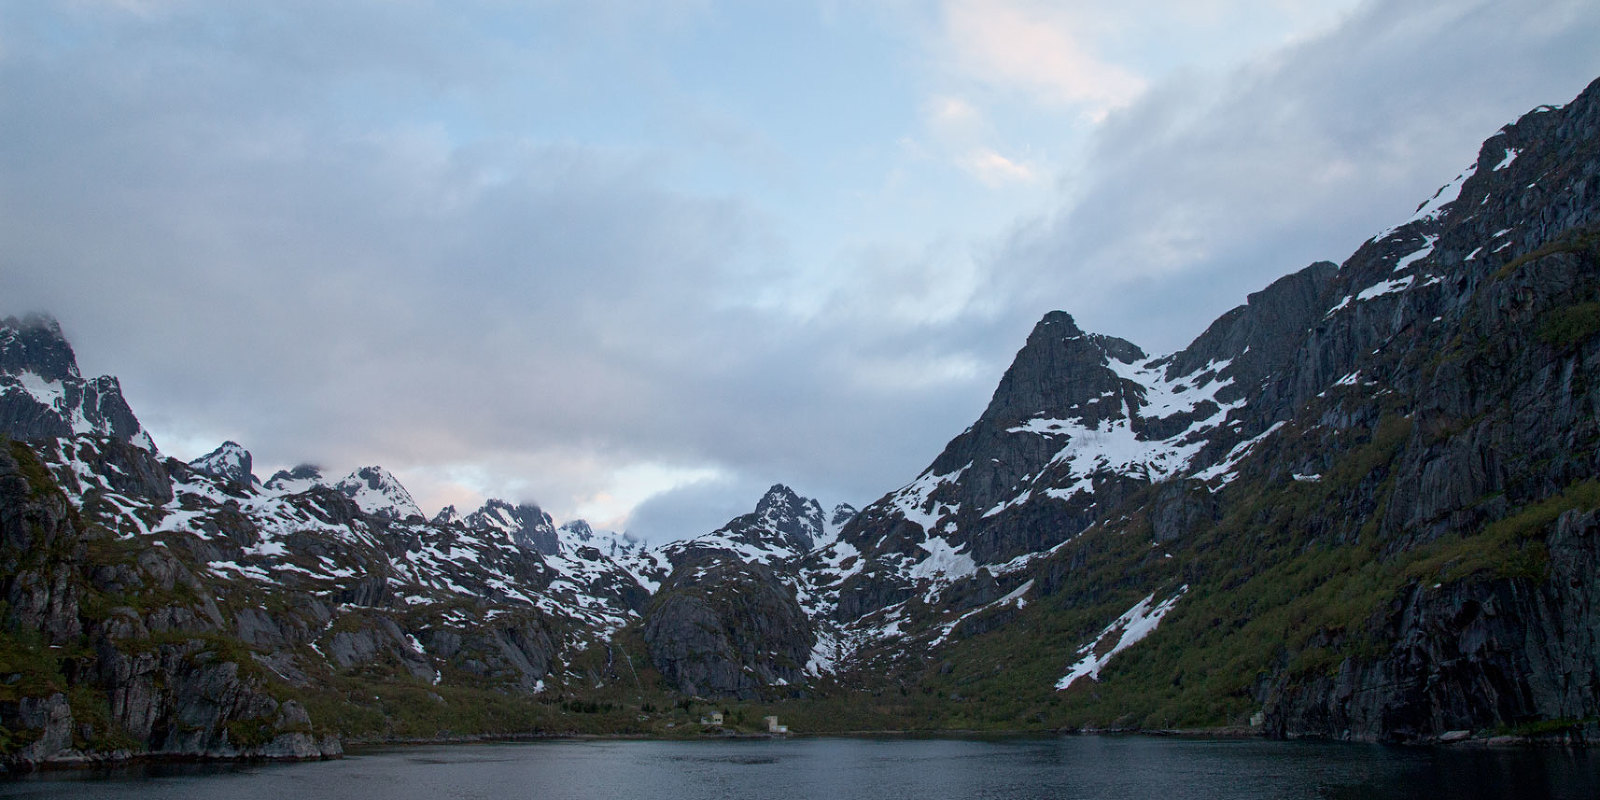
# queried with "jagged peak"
point(447, 516)
point(1058, 373)
point(229, 462)
point(296, 479)
point(780, 498)
point(378, 492)
point(527, 524)
point(34, 343)
point(578, 528)
point(842, 513)
point(43, 395)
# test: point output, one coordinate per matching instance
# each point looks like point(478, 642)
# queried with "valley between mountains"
point(1362, 505)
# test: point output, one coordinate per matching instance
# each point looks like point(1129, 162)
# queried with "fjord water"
point(1092, 768)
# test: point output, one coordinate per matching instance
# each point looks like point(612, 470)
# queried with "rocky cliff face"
point(727, 619)
point(1383, 424)
point(116, 674)
point(43, 395)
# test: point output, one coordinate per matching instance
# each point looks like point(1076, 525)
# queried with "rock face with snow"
point(727, 620)
point(379, 493)
point(1415, 427)
point(783, 527)
point(198, 602)
point(526, 524)
point(299, 479)
point(229, 462)
point(42, 393)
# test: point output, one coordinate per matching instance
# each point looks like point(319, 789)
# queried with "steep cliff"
point(109, 651)
point(1359, 505)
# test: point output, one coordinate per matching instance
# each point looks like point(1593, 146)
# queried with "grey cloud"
point(381, 292)
point(694, 509)
point(271, 256)
point(1212, 185)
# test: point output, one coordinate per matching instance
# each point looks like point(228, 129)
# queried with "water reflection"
point(1093, 768)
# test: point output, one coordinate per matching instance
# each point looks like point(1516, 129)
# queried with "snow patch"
point(945, 561)
point(1433, 207)
point(1134, 625)
point(1224, 469)
point(1418, 254)
point(1386, 287)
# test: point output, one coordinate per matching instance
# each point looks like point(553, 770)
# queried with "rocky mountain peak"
point(229, 462)
point(1060, 372)
point(298, 479)
point(783, 526)
point(378, 492)
point(527, 524)
point(35, 344)
point(447, 516)
point(842, 513)
point(42, 394)
point(578, 530)
point(798, 520)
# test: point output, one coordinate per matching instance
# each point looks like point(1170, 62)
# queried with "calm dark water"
point(842, 769)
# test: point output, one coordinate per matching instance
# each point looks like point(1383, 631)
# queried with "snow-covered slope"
point(783, 527)
point(378, 492)
point(229, 462)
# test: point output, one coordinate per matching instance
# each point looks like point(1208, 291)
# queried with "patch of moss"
point(1570, 326)
point(41, 484)
point(250, 734)
point(95, 729)
point(1581, 240)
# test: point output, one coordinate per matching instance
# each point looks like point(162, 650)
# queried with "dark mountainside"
point(1362, 505)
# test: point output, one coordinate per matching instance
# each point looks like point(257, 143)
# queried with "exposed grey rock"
point(726, 628)
point(229, 462)
point(527, 525)
point(42, 394)
point(299, 479)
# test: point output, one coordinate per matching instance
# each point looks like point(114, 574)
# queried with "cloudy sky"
point(636, 260)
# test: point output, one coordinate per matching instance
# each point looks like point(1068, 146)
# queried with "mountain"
point(783, 527)
point(299, 479)
point(187, 610)
point(1361, 505)
point(378, 492)
point(527, 525)
point(43, 394)
point(1364, 504)
point(229, 462)
point(730, 618)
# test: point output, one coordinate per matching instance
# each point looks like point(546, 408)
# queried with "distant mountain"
point(299, 479)
point(527, 525)
point(229, 462)
point(783, 527)
point(379, 493)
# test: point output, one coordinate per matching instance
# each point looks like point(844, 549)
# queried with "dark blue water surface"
point(842, 769)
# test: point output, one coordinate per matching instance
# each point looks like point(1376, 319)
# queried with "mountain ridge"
point(1363, 504)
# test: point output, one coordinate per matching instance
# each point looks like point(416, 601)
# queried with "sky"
point(637, 260)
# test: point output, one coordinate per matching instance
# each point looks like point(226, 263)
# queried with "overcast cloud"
point(636, 261)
